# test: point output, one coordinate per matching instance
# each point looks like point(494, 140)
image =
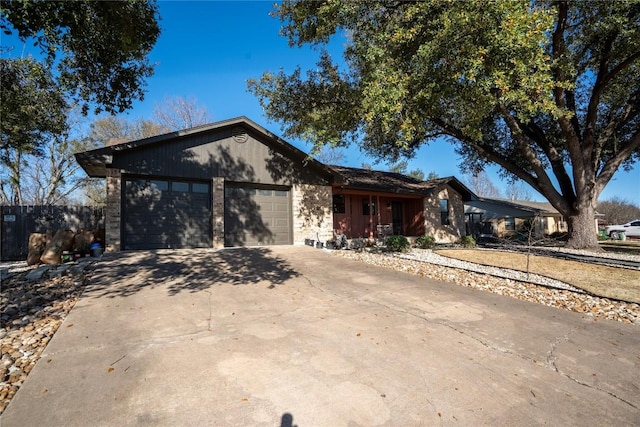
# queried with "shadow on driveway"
point(127, 273)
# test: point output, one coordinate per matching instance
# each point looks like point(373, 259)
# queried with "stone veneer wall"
point(312, 207)
point(432, 226)
point(217, 203)
point(113, 211)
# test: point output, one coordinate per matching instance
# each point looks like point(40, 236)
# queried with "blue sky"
point(208, 49)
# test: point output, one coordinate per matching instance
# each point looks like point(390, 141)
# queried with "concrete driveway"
point(286, 336)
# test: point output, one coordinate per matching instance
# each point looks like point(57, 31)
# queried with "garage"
point(229, 183)
point(257, 216)
point(162, 213)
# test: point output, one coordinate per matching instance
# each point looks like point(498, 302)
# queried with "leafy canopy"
point(98, 48)
point(547, 90)
point(32, 109)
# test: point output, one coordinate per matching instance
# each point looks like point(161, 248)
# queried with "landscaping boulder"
point(82, 241)
point(61, 241)
point(37, 244)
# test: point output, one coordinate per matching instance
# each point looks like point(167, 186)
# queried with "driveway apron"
point(295, 336)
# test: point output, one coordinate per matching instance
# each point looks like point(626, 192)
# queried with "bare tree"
point(618, 211)
point(53, 177)
point(516, 190)
point(94, 192)
point(113, 130)
point(179, 113)
point(329, 155)
point(481, 185)
point(11, 176)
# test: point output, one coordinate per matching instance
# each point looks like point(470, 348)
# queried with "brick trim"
point(113, 211)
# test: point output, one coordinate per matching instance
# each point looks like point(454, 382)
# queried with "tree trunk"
point(582, 228)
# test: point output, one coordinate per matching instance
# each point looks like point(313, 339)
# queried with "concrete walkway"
point(285, 336)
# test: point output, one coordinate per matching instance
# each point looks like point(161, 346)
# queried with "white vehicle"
point(630, 229)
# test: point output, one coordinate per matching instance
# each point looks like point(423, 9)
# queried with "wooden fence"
point(18, 222)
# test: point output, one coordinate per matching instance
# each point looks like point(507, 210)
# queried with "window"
point(280, 193)
point(160, 185)
point(444, 211)
point(199, 187)
point(264, 192)
point(338, 204)
point(510, 224)
point(368, 208)
point(180, 186)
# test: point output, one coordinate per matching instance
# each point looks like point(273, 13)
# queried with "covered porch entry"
point(357, 214)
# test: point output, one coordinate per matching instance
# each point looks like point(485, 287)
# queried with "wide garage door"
point(255, 216)
point(161, 213)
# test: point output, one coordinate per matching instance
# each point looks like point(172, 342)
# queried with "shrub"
point(425, 242)
point(397, 244)
point(468, 242)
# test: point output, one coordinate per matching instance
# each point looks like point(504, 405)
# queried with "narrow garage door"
point(166, 214)
point(257, 216)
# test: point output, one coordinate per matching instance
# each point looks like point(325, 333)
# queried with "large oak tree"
point(94, 52)
point(547, 90)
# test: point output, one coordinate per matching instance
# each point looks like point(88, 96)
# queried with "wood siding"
point(219, 153)
point(355, 223)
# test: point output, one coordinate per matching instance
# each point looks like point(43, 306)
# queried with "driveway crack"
point(551, 361)
point(551, 358)
point(452, 327)
point(591, 386)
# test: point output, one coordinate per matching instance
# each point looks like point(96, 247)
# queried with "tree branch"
point(542, 178)
point(490, 154)
point(535, 133)
point(612, 165)
point(570, 127)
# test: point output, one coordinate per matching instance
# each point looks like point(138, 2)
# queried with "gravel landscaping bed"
point(533, 288)
point(35, 301)
point(33, 304)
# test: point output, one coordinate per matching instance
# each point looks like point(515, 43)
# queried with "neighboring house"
point(234, 183)
point(504, 217)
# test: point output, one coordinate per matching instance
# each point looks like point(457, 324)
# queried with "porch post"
point(370, 217)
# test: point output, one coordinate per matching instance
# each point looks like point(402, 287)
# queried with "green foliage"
point(99, 49)
point(426, 242)
point(468, 242)
point(546, 90)
point(32, 111)
point(397, 244)
point(402, 166)
point(417, 174)
point(33, 108)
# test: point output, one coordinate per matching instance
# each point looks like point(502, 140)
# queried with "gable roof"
point(493, 208)
point(95, 162)
point(392, 182)
point(368, 179)
point(525, 205)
